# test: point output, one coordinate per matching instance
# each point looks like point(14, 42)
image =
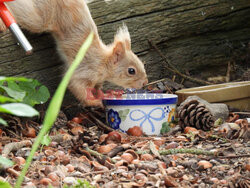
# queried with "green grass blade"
point(55, 105)
point(3, 122)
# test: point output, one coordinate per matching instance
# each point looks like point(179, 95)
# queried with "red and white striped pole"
point(10, 23)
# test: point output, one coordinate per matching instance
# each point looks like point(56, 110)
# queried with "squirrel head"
point(128, 69)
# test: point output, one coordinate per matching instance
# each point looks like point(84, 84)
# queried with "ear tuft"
point(123, 36)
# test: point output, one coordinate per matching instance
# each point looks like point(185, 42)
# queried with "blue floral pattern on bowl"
point(143, 116)
point(113, 119)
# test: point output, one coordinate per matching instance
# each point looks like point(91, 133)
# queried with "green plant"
point(46, 140)
point(28, 91)
point(54, 106)
point(5, 162)
point(18, 94)
point(4, 184)
point(165, 127)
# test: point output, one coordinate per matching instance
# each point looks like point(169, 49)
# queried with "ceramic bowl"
point(147, 110)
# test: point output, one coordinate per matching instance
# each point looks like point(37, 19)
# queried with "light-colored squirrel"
point(70, 22)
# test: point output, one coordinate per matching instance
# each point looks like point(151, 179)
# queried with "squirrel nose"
point(145, 82)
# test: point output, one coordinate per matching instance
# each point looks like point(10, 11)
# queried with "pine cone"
point(195, 114)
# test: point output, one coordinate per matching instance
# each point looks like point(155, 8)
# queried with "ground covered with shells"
point(84, 152)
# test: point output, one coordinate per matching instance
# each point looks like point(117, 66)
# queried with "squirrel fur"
point(70, 22)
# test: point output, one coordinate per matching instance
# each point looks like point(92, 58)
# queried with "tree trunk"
point(198, 37)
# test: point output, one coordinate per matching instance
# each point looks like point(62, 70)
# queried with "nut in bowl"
point(146, 110)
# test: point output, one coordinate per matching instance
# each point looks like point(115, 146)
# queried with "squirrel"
point(70, 22)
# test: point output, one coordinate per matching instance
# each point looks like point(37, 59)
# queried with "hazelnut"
point(135, 131)
point(113, 137)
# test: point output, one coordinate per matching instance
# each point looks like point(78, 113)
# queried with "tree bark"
point(198, 37)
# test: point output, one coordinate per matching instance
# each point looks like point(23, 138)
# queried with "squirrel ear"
point(128, 44)
point(118, 52)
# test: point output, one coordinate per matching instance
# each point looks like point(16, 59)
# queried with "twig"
point(15, 146)
point(154, 82)
point(18, 145)
point(153, 149)
point(97, 154)
point(169, 90)
point(171, 68)
point(96, 172)
point(242, 113)
point(228, 71)
point(100, 123)
point(234, 156)
point(173, 79)
point(115, 151)
point(16, 173)
point(181, 150)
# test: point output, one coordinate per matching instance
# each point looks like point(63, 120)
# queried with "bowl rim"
point(142, 99)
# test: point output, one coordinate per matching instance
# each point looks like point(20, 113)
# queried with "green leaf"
point(18, 95)
point(4, 184)
point(165, 127)
point(218, 122)
point(46, 140)
point(4, 99)
point(55, 105)
point(13, 85)
point(36, 93)
point(18, 109)
point(5, 162)
point(3, 122)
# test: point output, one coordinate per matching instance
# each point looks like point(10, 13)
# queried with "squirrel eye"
point(131, 71)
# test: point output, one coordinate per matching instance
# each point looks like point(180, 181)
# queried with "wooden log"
point(196, 36)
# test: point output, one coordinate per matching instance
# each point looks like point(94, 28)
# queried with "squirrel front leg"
point(83, 91)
